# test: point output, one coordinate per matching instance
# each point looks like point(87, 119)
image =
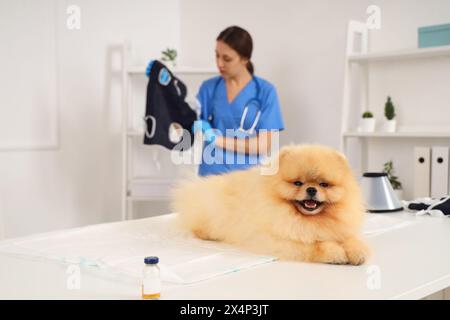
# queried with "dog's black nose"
point(311, 191)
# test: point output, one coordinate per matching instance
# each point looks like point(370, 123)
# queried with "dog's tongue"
point(310, 203)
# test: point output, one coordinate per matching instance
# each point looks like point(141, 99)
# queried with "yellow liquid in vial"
point(149, 296)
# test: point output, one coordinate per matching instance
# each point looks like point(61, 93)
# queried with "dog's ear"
point(341, 156)
point(288, 154)
point(342, 159)
point(285, 152)
point(270, 165)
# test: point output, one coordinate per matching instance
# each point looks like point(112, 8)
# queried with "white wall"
point(401, 18)
point(78, 182)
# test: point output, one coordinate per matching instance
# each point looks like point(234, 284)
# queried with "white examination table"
point(410, 260)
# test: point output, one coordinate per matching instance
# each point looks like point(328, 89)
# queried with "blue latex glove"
point(205, 128)
point(149, 68)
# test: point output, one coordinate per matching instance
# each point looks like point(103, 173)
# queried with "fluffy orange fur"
point(280, 214)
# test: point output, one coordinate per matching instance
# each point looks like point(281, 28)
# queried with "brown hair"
point(239, 40)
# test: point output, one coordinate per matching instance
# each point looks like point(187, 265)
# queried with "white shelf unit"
point(399, 54)
point(159, 186)
point(400, 134)
point(363, 58)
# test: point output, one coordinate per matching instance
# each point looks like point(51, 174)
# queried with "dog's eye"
point(298, 183)
point(324, 185)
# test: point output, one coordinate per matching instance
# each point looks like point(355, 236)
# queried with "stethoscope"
point(253, 101)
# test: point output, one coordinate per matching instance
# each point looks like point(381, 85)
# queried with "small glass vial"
point(151, 282)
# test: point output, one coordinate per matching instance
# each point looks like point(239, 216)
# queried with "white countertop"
point(407, 263)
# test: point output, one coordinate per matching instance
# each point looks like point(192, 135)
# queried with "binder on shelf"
point(422, 172)
point(439, 172)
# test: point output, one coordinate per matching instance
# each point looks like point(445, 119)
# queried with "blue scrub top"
point(223, 115)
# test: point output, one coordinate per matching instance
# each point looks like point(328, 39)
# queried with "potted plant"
point(367, 122)
point(389, 112)
point(169, 56)
point(396, 184)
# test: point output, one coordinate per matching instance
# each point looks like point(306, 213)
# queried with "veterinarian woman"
point(240, 112)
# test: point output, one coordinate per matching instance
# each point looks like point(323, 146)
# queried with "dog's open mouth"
point(309, 204)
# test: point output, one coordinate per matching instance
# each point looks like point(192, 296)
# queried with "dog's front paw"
point(329, 252)
point(357, 251)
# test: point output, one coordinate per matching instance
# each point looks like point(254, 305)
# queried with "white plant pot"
point(367, 125)
point(390, 125)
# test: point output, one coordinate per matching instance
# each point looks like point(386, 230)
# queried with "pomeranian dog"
point(310, 210)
